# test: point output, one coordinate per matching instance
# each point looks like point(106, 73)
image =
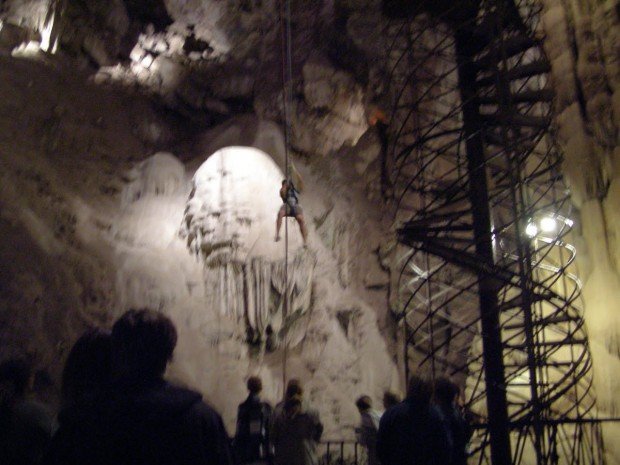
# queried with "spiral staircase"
point(488, 293)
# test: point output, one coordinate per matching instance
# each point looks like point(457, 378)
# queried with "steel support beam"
point(497, 405)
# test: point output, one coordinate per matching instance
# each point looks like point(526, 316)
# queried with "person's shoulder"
point(436, 413)
point(205, 408)
point(311, 412)
point(247, 402)
point(206, 414)
point(34, 413)
point(395, 412)
point(266, 409)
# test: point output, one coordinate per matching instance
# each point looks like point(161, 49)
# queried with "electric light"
point(531, 229)
point(548, 224)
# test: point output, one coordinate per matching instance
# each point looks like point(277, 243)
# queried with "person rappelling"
point(289, 192)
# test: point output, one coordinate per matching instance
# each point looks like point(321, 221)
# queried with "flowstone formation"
point(229, 225)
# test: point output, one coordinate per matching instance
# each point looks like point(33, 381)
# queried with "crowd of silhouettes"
point(116, 408)
point(427, 428)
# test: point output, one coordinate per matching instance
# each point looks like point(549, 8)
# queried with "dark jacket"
point(413, 434)
point(25, 432)
point(460, 431)
point(154, 424)
point(252, 436)
point(295, 437)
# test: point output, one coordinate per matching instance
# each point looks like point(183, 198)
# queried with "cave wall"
point(97, 165)
point(583, 44)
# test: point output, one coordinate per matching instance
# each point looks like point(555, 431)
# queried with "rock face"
point(583, 47)
point(94, 221)
point(230, 212)
point(228, 224)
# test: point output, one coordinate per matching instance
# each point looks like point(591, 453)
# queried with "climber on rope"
point(289, 192)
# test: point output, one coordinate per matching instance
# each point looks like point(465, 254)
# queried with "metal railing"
point(341, 452)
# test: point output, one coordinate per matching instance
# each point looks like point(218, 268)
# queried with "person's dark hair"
point(15, 376)
point(88, 366)
point(390, 399)
point(363, 403)
point(255, 385)
point(419, 390)
point(142, 344)
point(293, 388)
point(445, 391)
point(284, 181)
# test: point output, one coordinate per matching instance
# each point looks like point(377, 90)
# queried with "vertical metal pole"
point(517, 197)
point(487, 288)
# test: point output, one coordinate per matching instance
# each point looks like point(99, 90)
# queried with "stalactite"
point(246, 280)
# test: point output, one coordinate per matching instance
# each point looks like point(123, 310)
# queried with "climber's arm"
point(297, 179)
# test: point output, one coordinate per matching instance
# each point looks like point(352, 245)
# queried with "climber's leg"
point(281, 214)
point(302, 227)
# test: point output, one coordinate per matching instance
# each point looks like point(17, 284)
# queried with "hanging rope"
point(287, 98)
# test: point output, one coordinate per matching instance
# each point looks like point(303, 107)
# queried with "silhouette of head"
point(142, 344)
point(419, 390)
point(255, 385)
point(445, 391)
point(293, 388)
point(88, 366)
point(364, 403)
point(390, 399)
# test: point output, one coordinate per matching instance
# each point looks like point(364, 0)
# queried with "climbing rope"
point(287, 98)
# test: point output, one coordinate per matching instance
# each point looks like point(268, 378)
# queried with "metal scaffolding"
point(487, 294)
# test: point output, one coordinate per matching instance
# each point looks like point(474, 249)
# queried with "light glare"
point(548, 224)
point(531, 230)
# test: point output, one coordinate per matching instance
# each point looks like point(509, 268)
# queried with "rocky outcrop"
point(582, 43)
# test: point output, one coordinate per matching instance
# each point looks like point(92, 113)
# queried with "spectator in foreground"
point(25, 424)
point(253, 423)
point(88, 369)
point(141, 419)
point(390, 399)
point(446, 397)
point(367, 431)
point(413, 432)
point(296, 430)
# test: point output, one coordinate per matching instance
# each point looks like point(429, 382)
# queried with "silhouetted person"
point(270, 339)
point(25, 424)
point(293, 388)
point(413, 432)
point(253, 423)
point(367, 431)
point(88, 369)
point(296, 430)
point(390, 399)
point(141, 419)
point(446, 397)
